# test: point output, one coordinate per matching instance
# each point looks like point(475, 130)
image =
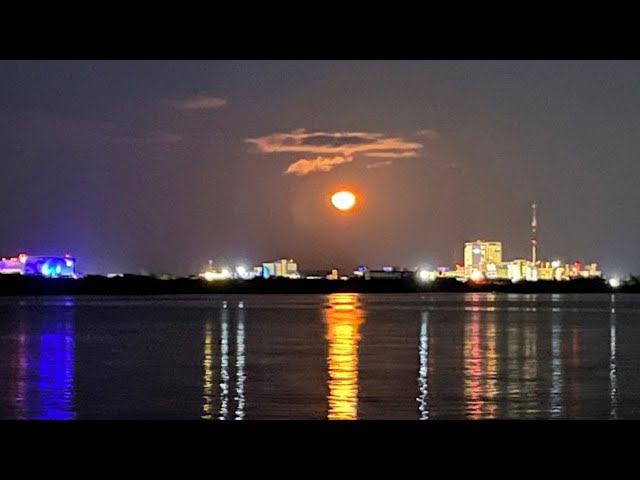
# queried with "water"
point(343, 356)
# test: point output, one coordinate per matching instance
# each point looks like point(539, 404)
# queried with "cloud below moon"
point(305, 166)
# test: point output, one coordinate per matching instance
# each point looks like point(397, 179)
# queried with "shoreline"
point(11, 285)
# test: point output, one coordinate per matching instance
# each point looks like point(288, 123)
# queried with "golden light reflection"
point(473, 367)
point(343, 318)
point(491, 378)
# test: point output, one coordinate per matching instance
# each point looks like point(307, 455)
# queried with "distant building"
point(388, 273)
point(478, 254)
point(516, 269)
point(359, 272)
point(319, 274)
point(281, 268)
point(46, 266)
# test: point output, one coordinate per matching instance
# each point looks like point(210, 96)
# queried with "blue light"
point(50, 266)
point(47, 366)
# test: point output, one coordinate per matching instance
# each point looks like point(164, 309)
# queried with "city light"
point(211, 275)
point(614, 282)
point(424, 275)
point(476, 276)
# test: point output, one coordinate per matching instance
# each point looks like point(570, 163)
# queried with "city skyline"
point(162, 165)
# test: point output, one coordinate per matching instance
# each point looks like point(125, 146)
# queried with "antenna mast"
point(534, 242)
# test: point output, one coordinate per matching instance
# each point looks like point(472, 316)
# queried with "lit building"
point(54, 267)
point(516, 269)
point(426, 275)
point(359, 272)
point(478, 254)
point(281, 268)
point(212, 275)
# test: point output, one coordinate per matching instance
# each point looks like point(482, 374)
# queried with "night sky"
point(159, 166)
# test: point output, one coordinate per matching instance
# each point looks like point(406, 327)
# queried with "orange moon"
point(343, 200)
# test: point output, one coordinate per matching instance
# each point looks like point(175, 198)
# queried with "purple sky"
point(161, 165)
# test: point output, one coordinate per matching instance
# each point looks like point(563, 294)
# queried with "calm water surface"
point(340, 356)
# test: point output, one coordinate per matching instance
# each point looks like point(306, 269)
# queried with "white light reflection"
point(613, 375)
point(513, 374)
point(530, 369)
point(556, 367)
point(224, 363)
point(207, 395)
point(240, 375)
point(422, 373)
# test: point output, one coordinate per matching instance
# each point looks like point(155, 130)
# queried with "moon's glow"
point(343, 200)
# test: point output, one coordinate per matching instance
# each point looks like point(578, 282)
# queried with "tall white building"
point(478, 254)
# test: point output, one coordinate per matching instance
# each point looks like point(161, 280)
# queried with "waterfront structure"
point(287, 268)
point(46, 266)
point(388, 273)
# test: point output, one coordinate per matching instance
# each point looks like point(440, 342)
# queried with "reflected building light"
point(207, 394)
point(46, 382)
point(22, 376)
point(423, 371)
point(224, 363)
point(240, 359)
point(491, 377)
point(530, 369)
point(513, 374)
point(475, 303)
point(473, 367)
point(613, 375)
point(343, 318)
point(556, 368)
point(573, 385)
